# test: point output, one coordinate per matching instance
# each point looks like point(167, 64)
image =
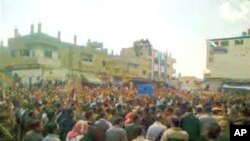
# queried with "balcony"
point(48, 62)
point(26, 62)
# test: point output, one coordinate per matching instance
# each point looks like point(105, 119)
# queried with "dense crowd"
point(74, 112)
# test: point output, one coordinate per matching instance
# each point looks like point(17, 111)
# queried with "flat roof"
point(231, 38)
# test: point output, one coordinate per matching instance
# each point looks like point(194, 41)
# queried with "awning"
point(92, 78)
point(236, 87)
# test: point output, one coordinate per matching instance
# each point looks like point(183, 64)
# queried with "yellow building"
point(38, 56)
point(152, 64)
point(34, 56)
point(170, 67)
point(138, 60)
point(190, 83)
point(5, 75)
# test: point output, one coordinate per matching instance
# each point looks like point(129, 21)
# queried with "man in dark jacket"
point(117, 133)
point(131, 127)
point(191, 125)
point(34, 134)
point(102, 125)
point(244, 117)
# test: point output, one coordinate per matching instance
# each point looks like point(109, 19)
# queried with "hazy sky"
point(179, 26)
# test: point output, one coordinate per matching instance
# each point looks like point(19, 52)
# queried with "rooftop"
point(231, 38)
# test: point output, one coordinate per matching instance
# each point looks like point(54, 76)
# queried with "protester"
point(66, 122)
point(191, 125)
point(213, 132)
point(50, 110)
point(116, 132)
point(175, 132)
point(102, 125)
point(78, 131)
point(131, 127)
point(51, 132)
point(35, 131)
point(156, 129)
point(139, 135)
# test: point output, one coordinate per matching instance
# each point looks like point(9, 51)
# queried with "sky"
point(180, 27)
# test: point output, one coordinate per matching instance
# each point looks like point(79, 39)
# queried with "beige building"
point(228, 58)
point(170, 66)
point(38, 56)
point(190, 83)
point(153, 65)
point(137, 62)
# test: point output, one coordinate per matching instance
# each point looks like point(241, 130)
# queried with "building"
point(35, 56)
point(38, 56)
point(149, 63)
point(227, 58)
point(170, 66)
point(137, 60)
point(190, 83)
point(5, 75)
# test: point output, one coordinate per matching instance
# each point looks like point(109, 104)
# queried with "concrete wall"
point(27, 74)
point(234, 64)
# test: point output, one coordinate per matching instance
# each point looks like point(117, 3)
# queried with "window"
point(238, 42)
point(224, 43)
point(25, 52)
point(47, 54)
point(87, 57)
point(103, 63)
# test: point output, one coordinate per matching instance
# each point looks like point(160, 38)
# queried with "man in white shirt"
point(156, 129)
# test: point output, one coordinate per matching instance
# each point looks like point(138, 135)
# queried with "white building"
point(228, 58)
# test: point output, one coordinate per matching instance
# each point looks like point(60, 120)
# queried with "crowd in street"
point(75, 112)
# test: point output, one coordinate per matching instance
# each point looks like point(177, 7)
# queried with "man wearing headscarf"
point(130, 128)
point(78, 131)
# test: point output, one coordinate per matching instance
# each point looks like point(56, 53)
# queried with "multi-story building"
point(170, 66)
point(227, 58)
point(38, 56)
point(190, 83)
point(33, 56)
point(5, 75)
point(148, 62)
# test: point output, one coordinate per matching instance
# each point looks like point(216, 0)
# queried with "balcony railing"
point(33, 60)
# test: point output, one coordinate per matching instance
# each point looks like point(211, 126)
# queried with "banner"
point(145, 89)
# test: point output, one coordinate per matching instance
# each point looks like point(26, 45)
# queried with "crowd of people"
point(71, 111)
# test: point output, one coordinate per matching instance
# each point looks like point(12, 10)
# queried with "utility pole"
point(70, 62)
